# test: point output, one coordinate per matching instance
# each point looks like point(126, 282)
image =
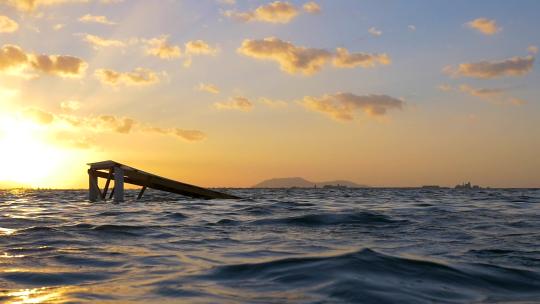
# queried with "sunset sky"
point(228, 93)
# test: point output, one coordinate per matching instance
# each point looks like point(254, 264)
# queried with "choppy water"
point(277, 246)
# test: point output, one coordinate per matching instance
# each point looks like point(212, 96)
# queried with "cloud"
point(208, 87)
point(98, 42)
point(495, 96)
point(58, 26)
point(311, 7)
point(70, 105)
point(411, 27)
point(308, 61)
point(235, 103)
point(344, 59)
point(82, 128)
point(200, 47)
point(8, 25)
point(160, 47)
point(445, 87)
point(39, 116)
point(533, 49)
point(292, 59)
point(30, 5)
point(515, 66)
point(484, 26)
point(375, 32)
point(273, 103)
point(13, 58)
point(343, 106)
point(227, 2)
point(96, 19)
point(274, 12)
point(137, 77)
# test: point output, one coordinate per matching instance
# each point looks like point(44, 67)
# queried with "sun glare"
point(25, 157)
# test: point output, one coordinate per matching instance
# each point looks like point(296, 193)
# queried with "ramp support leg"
point(93, 190)
point(118, 184)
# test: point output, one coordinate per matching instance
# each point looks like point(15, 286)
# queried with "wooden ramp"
point(121, 174)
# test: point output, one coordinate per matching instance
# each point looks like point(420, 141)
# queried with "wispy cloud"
point(375, 32)
point(274, 12)
point(484, 26)
point(96, 19)
point(236, 103)
point(496, 96)
point(137, 77)
point(312, 7)
point(208, 87)
point(8, 25)
point(515, 66)
point(160, 47)
point(98, 42)
point(343, 106)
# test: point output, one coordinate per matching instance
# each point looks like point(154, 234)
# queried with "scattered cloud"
point(533, 49)
point(81, 128)
point(375, 32)
point(344, 59)
point(198, 47)
point(411, 27)
point(96, 19)
point(227, 2)
point(515, 66)
point(343, 106)
point(236, 103)
point(58, 26)
point(160, 47)
point(30, 5)
point(311, 7)
point(308, 61)
point(137, 77)
point(98, 42)
point(70, 105)
point(208, 87)
point(492, 95)
point(292, 59)
point(484, 26)
point(274, 12)
point(273, 103)
point(14, 59)
point(8, 25)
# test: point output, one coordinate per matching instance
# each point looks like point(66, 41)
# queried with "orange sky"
point(225, 93)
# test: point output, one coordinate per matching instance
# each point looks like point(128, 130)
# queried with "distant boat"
point(338, 186)
point(467, 186)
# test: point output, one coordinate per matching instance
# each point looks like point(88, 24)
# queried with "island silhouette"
point(299, 182)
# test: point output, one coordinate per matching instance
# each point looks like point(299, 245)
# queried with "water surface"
point(275, 246)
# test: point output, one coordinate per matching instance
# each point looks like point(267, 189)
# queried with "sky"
point(229, 93)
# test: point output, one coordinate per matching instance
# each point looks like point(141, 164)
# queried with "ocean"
point(273, 246)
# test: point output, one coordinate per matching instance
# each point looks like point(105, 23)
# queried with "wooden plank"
point(164, 184)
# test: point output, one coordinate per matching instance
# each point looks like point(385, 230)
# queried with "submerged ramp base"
point(120, 174)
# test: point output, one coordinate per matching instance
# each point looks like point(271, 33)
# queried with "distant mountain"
point(299, 182)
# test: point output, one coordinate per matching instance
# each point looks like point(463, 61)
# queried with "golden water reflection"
point(34, 295)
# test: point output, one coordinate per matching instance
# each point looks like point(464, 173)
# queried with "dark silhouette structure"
point(121, 174)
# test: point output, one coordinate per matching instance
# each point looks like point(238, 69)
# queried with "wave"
point(343, 218)
point(367, 276)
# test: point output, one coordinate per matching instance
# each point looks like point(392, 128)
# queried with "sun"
point(25, 156)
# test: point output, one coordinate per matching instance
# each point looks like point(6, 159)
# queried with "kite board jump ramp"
point(122, 174)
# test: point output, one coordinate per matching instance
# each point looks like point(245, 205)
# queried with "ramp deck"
point(121, 174)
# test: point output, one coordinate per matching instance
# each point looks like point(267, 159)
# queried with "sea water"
point(273, 246)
